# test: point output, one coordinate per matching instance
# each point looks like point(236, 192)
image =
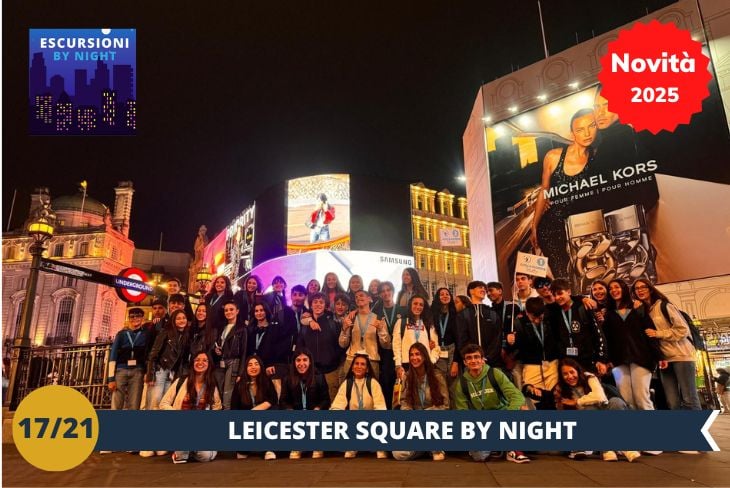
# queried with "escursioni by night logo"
point(82, 82)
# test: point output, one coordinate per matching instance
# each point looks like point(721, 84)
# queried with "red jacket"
point(329, 215)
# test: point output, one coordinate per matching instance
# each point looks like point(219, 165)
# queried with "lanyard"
point(132, 341)
point(443, 322)
point(303, 387)
point(568, 320)
point(215, 300)
point(362, 330)
point(540, 336)
point(358, 392)
point(199, 395)
point(422, 392)
point(480, 395)
point(417, 329)
point(259, 337)
point(389, 320)
point(253, 397)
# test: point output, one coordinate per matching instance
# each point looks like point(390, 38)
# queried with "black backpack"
point(492, 381)
point(351, 383)
point(695, 337)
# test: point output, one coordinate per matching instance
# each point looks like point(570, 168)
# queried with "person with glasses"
point(480, 389)
point(678, 368)
point(128, 363)
point(542, 287)
point(197, 391)
point(633, 355)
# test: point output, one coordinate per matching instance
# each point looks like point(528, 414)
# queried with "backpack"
point(351, 383)
point(695, 337)
point(492, 381)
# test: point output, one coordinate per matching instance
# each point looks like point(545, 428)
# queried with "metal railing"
point(83, 367)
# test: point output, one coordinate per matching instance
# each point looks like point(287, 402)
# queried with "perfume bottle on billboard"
point(589, 249)
point(631, 246)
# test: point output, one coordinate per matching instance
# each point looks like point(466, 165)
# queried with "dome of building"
point(73, 203)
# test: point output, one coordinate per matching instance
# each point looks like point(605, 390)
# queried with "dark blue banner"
point(449, 430)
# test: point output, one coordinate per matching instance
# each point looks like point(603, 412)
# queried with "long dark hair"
point(418, 288)
point(227, 292)
point(654, 294)
point(426, 315)
point(437, 399)
point(566, 391)
point(208, 381)
point(267, 311)
point(604, 285)
point(436, 303)
point(625, 301)
point(370, 372)
point(263, 383)
point(207, 326)
point(294, 376)
point(338, 286)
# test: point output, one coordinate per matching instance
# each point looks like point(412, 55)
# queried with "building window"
point(452, 289)
point(106, 318)
point(115, 253)
point(430, 262)
point(84, 249)
point(64, 317)
point(18, 317)
point(421, 261)
point(421, 231)
point(69, 282)
point(58, 251)
point(419, 204)
point(9, 252)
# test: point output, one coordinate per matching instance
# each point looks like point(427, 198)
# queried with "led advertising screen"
point(602, 201)
point(215, 254)
point(239, 244)
point(318, 213)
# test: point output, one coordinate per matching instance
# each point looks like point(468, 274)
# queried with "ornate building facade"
point(68, 310)
point(441, 260)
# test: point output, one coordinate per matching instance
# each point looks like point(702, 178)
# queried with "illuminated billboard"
point(239, 244)
point(318, 213)
point(602, 201)
point(215, 254)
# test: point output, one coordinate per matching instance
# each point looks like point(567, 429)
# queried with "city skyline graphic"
point(82, 82)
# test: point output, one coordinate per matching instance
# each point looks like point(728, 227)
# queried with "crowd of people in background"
point(325, 346)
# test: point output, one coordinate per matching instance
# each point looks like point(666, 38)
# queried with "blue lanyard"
point(358, 392)
point(422, 392)
point(540, 337)
point(303, 387)
point(362, 331)
point(133, 342)
point(389, 320)
point(568, 320)
point(259, 337)
point(215, 300)
point(443, 322)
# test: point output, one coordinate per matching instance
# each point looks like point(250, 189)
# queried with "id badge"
point(222, 364)
point(571, 351)
point(444, 354)
point(132, 362)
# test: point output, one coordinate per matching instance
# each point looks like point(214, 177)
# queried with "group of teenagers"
point(327, 347)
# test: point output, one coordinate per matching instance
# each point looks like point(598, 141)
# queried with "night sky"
point(235, 96)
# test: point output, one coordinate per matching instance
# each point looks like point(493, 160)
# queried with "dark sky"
point(235, 96)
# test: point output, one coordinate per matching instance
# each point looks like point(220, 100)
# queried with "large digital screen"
point(239, 244)
point(304, 267)
point(318, 213)
point(602, 201)
point(215, 254)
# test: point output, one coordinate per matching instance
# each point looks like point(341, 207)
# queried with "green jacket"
point(483, 395)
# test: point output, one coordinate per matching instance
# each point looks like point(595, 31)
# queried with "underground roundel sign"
point(131, 285)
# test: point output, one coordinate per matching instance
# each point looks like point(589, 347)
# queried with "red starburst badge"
point(655, 76)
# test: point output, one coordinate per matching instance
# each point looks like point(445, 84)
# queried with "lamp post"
point(40, 229)
point(203, 277)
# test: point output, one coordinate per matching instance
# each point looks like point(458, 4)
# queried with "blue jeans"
point(128, 394)
point(322, 234)
point(678, 380)
point(155, 392)
point(200, 456)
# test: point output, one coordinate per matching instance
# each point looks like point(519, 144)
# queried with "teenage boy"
point(362, 330)
point(320, 334)
point(479, 324)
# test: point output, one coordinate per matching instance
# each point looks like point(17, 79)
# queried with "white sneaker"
point(382, 455)
point(438, 455)
point(240, 455)
point(317, 454)
point(610, 456)
point(631, 456)
point(652, 453)
point(105, 452)
point(350, 454)
point(269, 456)
point(162, 453)
point(146, 453)
point(295, 455)
point(688, 452)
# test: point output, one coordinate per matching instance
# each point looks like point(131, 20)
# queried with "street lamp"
point(203, 277)
point(40, 229)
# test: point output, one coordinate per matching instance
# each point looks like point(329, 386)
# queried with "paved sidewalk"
point(121, 469)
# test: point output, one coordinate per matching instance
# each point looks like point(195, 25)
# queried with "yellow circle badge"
point(55, 428)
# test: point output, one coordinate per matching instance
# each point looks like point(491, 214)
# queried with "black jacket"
point(491, 332)
point(627, 341)
point(323, 344)
point(585, 335)
point(234, 349)
point(317, 395)
point(274, 343)
point(529, 348)
point(241, 398)
point(169, 351)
